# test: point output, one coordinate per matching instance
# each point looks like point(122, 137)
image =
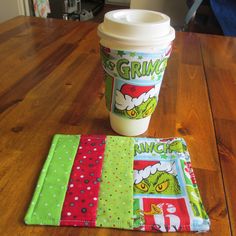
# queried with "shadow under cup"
point(132, 84)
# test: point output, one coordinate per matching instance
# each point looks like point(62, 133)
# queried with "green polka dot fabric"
point(116, 192)
point(145, 184)
point(46, 205)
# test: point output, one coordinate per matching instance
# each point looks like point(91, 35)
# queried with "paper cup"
point(135, 47)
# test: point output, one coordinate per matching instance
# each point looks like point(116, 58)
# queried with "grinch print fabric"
point(166, 196)
point(133, 80)
point(118, 182)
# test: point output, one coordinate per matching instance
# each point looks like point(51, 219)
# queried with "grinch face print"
point(157, 179)
point(136, 102)
point(133, 80)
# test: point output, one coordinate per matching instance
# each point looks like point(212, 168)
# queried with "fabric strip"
point(115, 205)
point(81, 199)
point(49, 195)
point(166, 197)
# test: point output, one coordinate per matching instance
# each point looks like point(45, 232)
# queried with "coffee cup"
point(135, 46)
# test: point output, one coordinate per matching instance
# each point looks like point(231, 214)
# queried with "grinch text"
point(159, 148)
point(130, 70)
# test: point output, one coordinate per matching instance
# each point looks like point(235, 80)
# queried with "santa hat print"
point(130, 95)
point(168, 167)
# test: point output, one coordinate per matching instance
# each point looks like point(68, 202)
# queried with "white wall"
point(8, 9)
point(13, 8)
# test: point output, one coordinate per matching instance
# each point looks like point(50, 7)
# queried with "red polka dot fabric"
point(81, 200)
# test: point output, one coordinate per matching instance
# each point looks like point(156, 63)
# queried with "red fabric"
point(81, 200)
point(140, 165)
point(135, 91)
point(173, 215)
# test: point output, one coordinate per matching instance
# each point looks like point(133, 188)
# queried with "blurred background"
point(186, 15)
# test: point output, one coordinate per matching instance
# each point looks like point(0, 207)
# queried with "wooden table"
point(51, 81)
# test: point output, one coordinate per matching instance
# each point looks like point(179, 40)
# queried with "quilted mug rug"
point(143, 184)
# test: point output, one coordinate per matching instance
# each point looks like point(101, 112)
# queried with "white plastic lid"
point(134, 26)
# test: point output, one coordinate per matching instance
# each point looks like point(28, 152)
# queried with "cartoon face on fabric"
point(177, 146)
point(136, 102)
point(157, 179)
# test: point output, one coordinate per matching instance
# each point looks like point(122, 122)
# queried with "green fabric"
point(139, 218)
point(115, 206)
point(108, 90)
point(47, 202)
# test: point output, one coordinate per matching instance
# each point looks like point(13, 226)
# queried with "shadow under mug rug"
point(143, 184)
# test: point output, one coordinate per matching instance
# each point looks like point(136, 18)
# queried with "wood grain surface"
point(51, 82)
point(219, 58)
